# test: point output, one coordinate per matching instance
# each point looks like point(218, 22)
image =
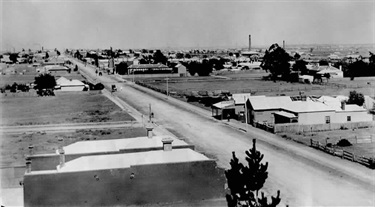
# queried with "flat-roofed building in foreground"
point(160, 176)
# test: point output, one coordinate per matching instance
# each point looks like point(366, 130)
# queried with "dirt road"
point(304, 176)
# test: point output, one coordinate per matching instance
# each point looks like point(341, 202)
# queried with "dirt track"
point(304, 176)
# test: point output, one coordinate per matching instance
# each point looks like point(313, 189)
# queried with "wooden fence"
point(360, 139)
point(369, 162)
point(264, 126)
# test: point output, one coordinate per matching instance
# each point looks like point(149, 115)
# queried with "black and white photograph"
point(187, 103)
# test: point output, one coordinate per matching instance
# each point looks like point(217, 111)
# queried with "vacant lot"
point(363, 149)
point(65, 107)
point(13, 147)
point(249, 82)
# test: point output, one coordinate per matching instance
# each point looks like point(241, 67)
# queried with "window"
point(328, 119)
point(348, 118)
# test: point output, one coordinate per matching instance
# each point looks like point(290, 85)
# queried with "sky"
point(131, 24)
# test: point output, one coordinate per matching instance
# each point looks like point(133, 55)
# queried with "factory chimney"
point(284, 44)
point(249, 42)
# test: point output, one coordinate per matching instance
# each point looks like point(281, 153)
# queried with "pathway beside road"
point(67, 127)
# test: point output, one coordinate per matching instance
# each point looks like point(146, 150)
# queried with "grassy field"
point(362, 149)
point(257, 86)
point(65, 107)
point(13, 147)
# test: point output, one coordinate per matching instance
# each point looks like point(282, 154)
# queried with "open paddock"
point(257, 86)
point(14, 147)
point(362, 140)
point(65, 107)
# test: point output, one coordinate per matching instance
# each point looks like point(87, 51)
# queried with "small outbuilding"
point(70, 84)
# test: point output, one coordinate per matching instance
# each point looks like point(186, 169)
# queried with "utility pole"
point(245, 112)
point(167, 87)
point(149, 114)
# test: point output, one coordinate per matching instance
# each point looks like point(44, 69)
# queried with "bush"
point(344, 143)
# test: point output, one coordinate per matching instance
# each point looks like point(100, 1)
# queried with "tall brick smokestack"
point(249, 42)
point(284, 44)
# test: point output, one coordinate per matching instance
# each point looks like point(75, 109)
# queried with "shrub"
point(343, 143)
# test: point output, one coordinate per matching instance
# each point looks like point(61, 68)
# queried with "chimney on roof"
point(28, 165)
point(249, 42)
point(343, 105)
point(62, 157)
point(167, 144)
point(149, 129)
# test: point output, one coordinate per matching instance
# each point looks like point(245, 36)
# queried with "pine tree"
point(245, 182)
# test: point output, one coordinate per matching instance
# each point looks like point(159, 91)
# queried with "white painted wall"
point(315, 118)
point(362, 116)
point(72, 88)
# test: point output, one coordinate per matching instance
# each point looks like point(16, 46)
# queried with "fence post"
point(353, 157)
point(343, 152)
point(311, 142)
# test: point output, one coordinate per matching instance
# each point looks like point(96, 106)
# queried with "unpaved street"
point(304, 176)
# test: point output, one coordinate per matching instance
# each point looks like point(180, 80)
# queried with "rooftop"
point(240, 98)
point(69, 82)
point(268, 103)
point(148, 66)
point(85, 147)
point(116, 161)
point(307, 106)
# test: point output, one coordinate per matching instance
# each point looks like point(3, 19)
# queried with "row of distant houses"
point(308, 111)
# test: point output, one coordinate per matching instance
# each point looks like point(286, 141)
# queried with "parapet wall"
point(50, 161)
point(143, 184)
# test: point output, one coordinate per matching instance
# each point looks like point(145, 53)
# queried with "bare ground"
point(65, 107)
point(14, 147)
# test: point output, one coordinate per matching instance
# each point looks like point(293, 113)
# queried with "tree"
point(45, 81)
point(245, 182)
point(204, 68)
point(372, 58)
point(323, 62)
point(159, 57)
point(300, 66)
point(179, 55)
point(356, 98)
point(13, 57)
point(297, 56)
point(327, 76)
point(192, 68)
point(122, 68)
point(276, 61)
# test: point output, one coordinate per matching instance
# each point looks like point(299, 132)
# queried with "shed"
point(223, 109)
point(181, 70)
point(262, 108)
